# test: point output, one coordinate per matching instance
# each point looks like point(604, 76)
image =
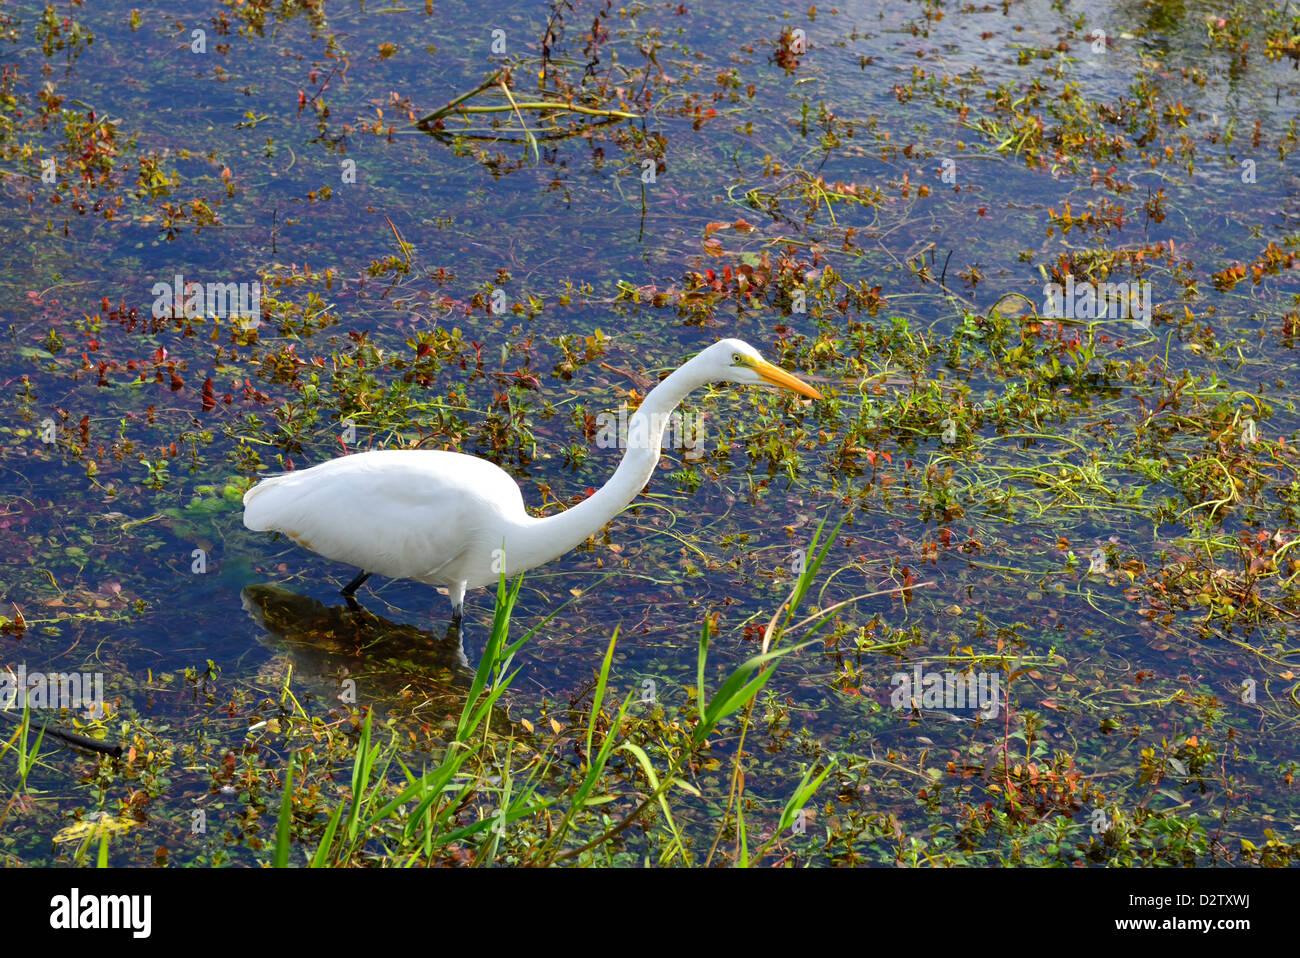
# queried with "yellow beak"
point(779, 377)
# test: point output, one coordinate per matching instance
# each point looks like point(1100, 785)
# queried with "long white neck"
point(553, 536)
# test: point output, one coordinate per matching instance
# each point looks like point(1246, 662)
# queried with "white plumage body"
point(434, 517)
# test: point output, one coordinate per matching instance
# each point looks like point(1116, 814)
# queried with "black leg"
point(454, 632)
point(352, 586)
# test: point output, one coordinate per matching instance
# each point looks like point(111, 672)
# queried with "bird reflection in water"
point(394, 666)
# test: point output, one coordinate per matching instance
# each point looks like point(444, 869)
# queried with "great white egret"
point(458, 522)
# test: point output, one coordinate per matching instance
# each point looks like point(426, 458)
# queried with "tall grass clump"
point(495, 798)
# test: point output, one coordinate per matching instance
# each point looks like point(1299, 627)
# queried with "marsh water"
point(1089, 517)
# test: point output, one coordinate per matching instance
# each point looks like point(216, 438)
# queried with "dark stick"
point(428, 118)
point(352, 586)
point(71, 738)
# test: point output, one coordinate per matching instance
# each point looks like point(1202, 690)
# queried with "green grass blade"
point(602, 681)
point(321, 858)
point(699, 667)
point(742, 860)
point(739, 688)
point(281, 857)
point(807, 788)
point(646, 766)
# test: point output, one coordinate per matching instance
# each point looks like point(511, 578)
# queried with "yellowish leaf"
point(94, 826)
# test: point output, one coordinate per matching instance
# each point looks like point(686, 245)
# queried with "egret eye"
point(736, 360)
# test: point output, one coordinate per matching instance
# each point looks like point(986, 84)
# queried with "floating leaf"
point(94, 824)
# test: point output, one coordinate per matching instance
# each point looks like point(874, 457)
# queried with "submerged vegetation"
point(490, 231)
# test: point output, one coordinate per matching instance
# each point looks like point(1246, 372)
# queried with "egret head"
point(734, 360)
